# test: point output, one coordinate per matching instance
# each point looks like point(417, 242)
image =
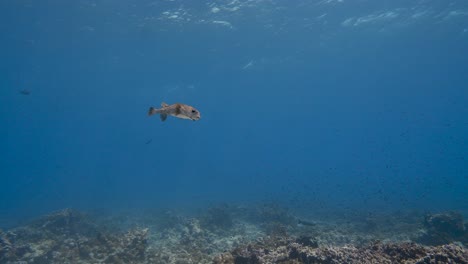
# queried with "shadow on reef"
point(266, 233)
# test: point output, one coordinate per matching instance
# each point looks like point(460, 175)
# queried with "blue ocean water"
point(317, 105)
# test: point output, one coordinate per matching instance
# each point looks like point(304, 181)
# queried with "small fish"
point(306, 223)
point(25, 92)
point(178, 110)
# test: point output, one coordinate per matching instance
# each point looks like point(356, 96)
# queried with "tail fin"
point(152, 111)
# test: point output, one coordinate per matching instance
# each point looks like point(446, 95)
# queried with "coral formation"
point(233, 234)
point(288, 251)
point(6, 247)
point(218, 217)
point(68, 237)
point(444, 228)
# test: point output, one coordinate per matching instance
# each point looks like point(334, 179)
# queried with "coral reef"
point(68, 237)
point(190, 241)
point(6, 248)
point(236, 234)
point(218, 217)
point(444, 228)
point(289, 251)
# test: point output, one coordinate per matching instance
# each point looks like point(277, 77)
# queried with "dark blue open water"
point(322, 105)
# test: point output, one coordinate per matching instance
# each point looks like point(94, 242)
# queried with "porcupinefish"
point(178, 110)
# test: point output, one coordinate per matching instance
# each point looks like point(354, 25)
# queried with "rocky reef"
point(69, 237)
point(444, 228)
point(266, 233)
point(290, 251)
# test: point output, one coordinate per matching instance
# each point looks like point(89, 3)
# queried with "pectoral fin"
point(163, 117)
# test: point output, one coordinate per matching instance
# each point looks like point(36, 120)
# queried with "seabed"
point(262, 233)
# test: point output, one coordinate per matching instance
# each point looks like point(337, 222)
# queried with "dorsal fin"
point(178, 109)
point(163, 104)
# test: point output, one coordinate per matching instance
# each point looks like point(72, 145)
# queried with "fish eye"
point(194, 111)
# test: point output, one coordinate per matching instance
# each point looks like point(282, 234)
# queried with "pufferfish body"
point(177, 110)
